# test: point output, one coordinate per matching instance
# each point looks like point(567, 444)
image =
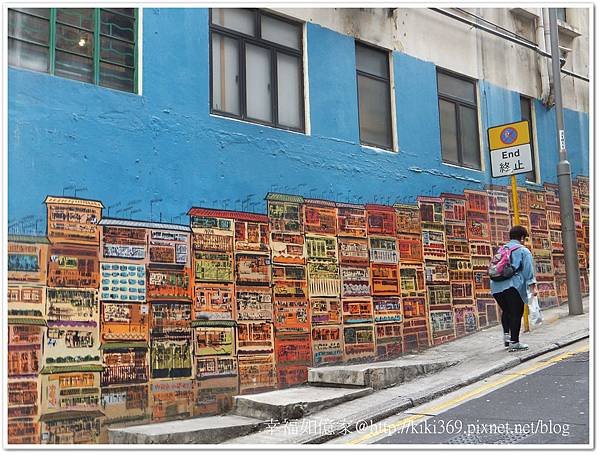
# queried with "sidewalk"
point(478, 356)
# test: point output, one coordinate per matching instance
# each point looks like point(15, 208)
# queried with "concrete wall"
point(164, 143)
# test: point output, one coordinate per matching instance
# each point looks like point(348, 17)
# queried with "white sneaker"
point(506, 339)
point(518, 346)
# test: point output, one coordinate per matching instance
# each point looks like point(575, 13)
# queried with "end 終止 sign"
point(510, 149)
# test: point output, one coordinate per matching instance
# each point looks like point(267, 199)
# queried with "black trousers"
point(512, 311)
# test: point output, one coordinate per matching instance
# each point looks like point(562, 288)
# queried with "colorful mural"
point(114, 321)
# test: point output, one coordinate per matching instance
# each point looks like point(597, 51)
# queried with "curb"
point(407, 403)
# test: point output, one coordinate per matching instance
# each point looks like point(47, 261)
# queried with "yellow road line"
point(447, 404)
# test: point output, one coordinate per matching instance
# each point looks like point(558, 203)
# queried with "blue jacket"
point(521, 257)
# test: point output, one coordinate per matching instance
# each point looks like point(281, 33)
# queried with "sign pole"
point(516, 221)
point(565, 190)
point(510, 154)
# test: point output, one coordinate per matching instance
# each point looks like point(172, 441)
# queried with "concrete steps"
point(327, 387)
point(375, 375)
point(202, 430)
point(295, 402)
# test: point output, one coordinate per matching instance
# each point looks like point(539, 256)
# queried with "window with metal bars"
point(93, 45)
point(459, 125)
point(256, 67)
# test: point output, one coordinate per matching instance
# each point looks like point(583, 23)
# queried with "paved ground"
point(480, 356)
point(543, 401)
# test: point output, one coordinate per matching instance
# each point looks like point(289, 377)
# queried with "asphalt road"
point(548, 406)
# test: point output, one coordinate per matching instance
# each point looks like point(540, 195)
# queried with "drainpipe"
point(546, 21)
point(545, 76)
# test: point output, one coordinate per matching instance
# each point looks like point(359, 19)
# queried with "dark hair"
point(518, 232)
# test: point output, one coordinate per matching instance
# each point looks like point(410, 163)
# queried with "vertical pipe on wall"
point(541, 42)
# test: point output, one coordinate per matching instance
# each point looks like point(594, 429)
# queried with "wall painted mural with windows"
point(244, 217)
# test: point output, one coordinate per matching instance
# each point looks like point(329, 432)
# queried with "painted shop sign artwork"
point(408, 219)
point(353, 251)
point(167, 247)
point(325, 311)
point(383, 250)
point(70, 342)
point(431, 210)
point(436, 272)
point(123, 282)
point(465, 320)
point(73, 266)
point(359, 341)
point(24, 358)
point(410, 249)
point(125, 366)
point(439, 295)
point(252, 269)
point(168, 284)
point(122, 242)
point(103, 331)
point(72, 304)
point(216, 367)
point(206, 221)
point(293, 349)
point(357, 310)
point(320, 217)
point(327, 344)
point(460, 269)
point(321, 248)
point(285, 213)
point(287, 248)
point(387, 309)
point(124, 321)
point(214, 302)
point(212, 242)
point(293, 358)
point(73, 220)
point(214, 341)
point(355, 281)
point(170, 314)
point(455, 209)
point(351, 220)
point(434, 245)
point(253, 303)
point(214, 396)
point(171, 399)
point(255, 337)
point(213, 267)
point(27, 258)
point(384, 279)
point(125, 403)
point(291, 315)
point(498, 201)
point(462, 293)
point(442, 323)
point(71, 391)
point(381, 220)
point(412, 280)
point(289, 281)
point(27, 300)
point(414, 307)
point(389, 339)
point(323, 279)
point(257, 372)
point(252, 236)
point(171, 358)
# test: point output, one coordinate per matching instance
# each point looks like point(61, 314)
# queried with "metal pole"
point(563, 170)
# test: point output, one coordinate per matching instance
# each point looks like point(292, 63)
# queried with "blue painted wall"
point(165, 144)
